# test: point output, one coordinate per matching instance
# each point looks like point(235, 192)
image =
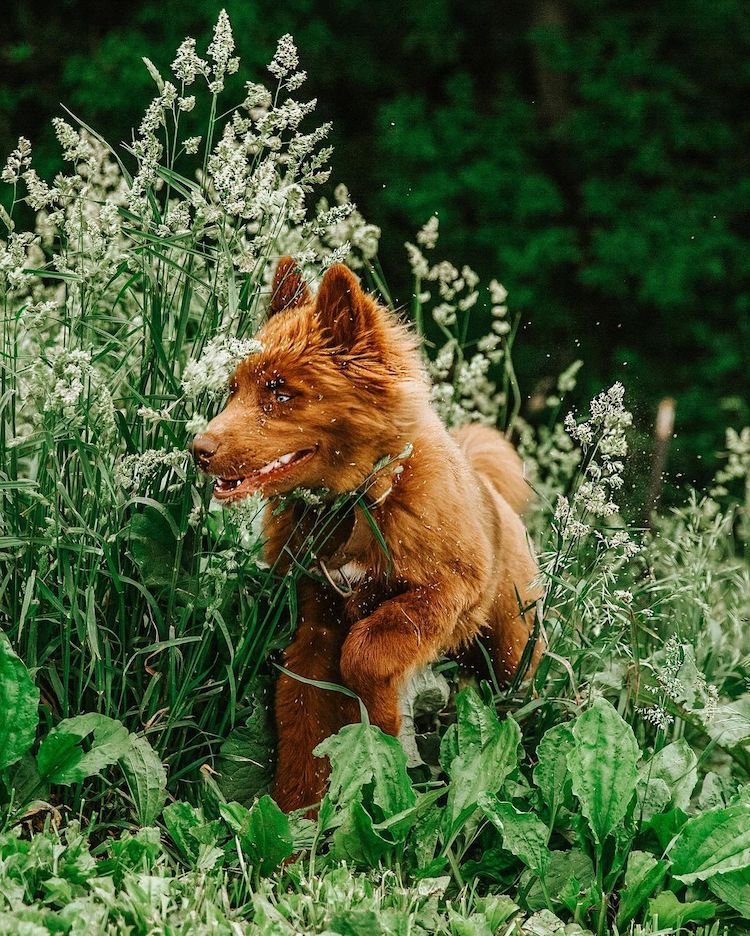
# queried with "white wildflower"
point(188, 64)
point(134, 471)
point(427, 237)
point(196, 424)
point(498, 293)
point(17, 163)
point(257, 97)
point(655, 715)
point(210, 373)
point(220, 52)
point(420, 268)
point(285, 59)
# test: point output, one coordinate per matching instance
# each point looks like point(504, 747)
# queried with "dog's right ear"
point(343, 308)
point(289, 289)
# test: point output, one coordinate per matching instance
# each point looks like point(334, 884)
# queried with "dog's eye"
point(282, 397)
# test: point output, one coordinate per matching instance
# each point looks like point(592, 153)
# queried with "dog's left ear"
point(289, 289)
point(342, 307)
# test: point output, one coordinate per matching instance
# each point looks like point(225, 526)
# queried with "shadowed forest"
point(592, 155)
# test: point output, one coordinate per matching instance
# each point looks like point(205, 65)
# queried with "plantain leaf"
point(677, 765)
point(19, 705)
point(604, 767)
point(62, 759)
point(643, 875)
point(265, 836)
point(712, 843)
point(671, 913)
point(357, 841)
point(487, 754)
point(246, 758)
point(524, 835)
point(146, 779)
point(361, 755)
point(734, 889)
point(551, 772)
point(569, 874)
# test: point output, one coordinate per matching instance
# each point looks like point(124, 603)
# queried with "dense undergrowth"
point(140, 623)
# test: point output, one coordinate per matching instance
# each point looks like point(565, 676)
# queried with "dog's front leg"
point(403, 634)
point(305, 714)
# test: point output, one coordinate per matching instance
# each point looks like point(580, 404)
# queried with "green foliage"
point(608, 790)
point(578, 149)
point(19, 703)
point(603, 765)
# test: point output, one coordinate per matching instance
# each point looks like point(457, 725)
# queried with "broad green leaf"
point(19, 705)
point(473, 925)
point(475, 725)
point(27, 786)
point(263, 832)
point(666, 825)
point(712, 843)
point(654, 796)
point(360, 755)
point(61, 758)
point(543, 923)
point(246, 758)
point(157, 546)
point(603, 767)
point(476, 722)
point(677, 765)
point(715, 791)
point(398, 826)
point(734, 889)
point(643, 875)
point(146, 779)
point(181, 820)
point(488, 753)
point(551, 772)
point(496, 909)
point(524, 835)
point(731, 722)
point(357, 841)
point(191, 832)
point(425, 837)
point(671, 913)
point(568, 875)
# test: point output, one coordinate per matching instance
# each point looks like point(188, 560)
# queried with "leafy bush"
point(140, 620)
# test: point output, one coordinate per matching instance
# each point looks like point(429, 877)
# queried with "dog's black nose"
point(203, 448)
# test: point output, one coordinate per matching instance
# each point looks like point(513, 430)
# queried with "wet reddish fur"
point(459, 557)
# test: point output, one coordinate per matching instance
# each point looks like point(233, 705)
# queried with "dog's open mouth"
point(241, 486)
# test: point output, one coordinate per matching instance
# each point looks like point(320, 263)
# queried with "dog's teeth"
point(285, 459)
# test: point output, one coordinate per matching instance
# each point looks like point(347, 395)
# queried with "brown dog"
point(338, 386)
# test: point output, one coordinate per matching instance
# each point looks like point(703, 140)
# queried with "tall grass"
point(131, 594)
point(122, 587)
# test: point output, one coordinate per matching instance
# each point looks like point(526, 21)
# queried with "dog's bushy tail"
point(495, 459)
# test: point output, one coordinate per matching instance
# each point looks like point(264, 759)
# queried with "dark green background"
point(592, 154)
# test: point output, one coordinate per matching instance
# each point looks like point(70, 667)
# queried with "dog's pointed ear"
point(342, 307)
point(289, 289)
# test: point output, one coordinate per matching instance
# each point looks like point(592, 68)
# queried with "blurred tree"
point(593, 154)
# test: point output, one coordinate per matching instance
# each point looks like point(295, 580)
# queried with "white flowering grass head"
point(210, 373)
point(464, 377)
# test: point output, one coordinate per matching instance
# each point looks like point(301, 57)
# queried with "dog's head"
point(337, 385)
